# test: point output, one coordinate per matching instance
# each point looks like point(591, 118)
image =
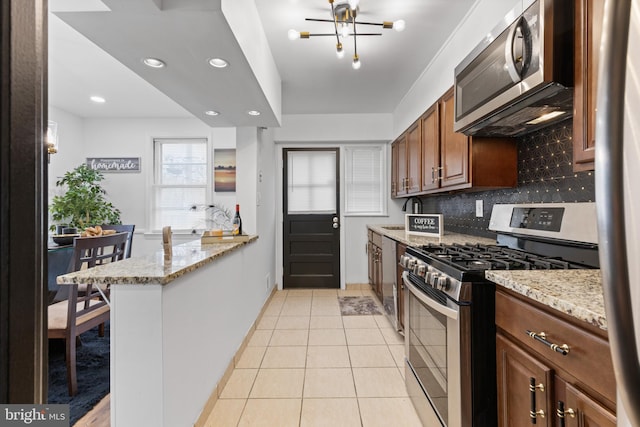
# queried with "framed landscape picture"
point(224, 169)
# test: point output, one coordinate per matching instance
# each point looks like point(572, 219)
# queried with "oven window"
point(428, 352)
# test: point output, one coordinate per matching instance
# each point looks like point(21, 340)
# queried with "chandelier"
point(343, 16)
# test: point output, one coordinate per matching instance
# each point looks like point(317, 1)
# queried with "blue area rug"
point(92, 366)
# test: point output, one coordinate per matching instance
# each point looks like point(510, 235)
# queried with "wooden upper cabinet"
point(454, 146)
point(588, 31)
point(414, 164)
point(401, 165)
point(430, 148)
point(394, 169)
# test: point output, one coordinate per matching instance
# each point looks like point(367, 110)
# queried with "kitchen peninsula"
point(175, 328)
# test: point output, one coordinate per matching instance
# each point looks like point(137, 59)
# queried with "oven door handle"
point(444, 310)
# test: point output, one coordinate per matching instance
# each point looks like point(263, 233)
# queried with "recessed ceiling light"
point(153, 62)
point(253, 113)
point(211, 113)
point(218, 62)
point(98, 99)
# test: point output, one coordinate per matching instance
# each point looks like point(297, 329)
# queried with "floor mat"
point(354, 306)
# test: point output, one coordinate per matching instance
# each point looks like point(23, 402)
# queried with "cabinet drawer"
point(588, 360)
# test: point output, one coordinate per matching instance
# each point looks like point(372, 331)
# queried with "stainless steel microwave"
point(520, 76)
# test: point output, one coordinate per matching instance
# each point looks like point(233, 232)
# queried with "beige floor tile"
point(328, 357)
point(325, 292)
point(326, 322)
point(271, 413)
point(391, 336)
point(327, 337)
point(388, 412)
point(328, 382)
point(359, 322)
point(397, 351)
point(226, 413)
point(260, 338)
point(371, 356)
point(350, 293)
point(296, 306)
point(383, 322)
point(287, 337)
point(274, 307)
point(379, 382)
point(364, 336)
point(293, 322)
point(285, 357)
point(239, 384)
point(330, 413)
point(278, 383)
point(300, 293)
point(267, 322)
point(325, 310)
point(370, 293)
point(251, 358)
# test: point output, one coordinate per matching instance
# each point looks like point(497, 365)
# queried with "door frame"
point(279, 202)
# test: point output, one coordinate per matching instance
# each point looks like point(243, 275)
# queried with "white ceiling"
point(186, 33)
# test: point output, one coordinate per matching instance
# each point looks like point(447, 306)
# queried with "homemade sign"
point(114, 164)
point(424, 224)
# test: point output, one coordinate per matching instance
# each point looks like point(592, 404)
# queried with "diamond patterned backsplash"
point(545, 175)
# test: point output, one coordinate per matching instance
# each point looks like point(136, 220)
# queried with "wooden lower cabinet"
point(535, 382)
point(374, 257)
point(400, 250)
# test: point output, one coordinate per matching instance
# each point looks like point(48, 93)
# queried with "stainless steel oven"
point(450, 305)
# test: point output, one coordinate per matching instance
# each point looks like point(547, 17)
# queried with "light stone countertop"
point(152, 269)
point(577, 293)
point(397, 233)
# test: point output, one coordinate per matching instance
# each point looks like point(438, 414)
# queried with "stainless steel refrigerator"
point(618, 195)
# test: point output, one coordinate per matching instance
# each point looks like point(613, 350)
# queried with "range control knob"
point(411, 262)
point(434, 279)
point(444, 283)
point(420, 269)
point(403, 260)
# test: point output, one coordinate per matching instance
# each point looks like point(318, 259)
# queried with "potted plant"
point(83, 204)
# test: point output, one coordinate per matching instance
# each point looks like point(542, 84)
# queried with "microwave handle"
point(510, 61)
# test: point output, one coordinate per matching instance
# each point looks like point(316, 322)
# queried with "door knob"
point(335, 225)
point(335, 219)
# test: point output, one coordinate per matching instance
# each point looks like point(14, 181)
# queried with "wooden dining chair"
point(86, 308)
point(129, 228)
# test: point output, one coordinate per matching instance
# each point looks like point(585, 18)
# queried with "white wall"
point(438, 77)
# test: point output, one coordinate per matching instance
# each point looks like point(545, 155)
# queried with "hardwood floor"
point(99, 416)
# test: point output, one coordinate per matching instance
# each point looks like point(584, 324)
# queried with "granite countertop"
point(396, 232)
point(153, 269)
point(577, 293)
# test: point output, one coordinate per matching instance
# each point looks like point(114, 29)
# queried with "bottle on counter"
point(237, 222)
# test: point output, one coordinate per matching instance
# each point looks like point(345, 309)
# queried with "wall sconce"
point(51, 138)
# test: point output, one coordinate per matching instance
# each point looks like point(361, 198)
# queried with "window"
point(312, 182)
point(364, 180)
point(181, 182)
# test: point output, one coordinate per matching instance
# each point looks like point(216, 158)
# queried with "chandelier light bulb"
point(356, 62)
point(339, 51)
point(399, 25)
point(354, 3)
point(344, 30)
point(293, 34)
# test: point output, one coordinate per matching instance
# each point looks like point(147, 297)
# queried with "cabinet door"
point(414, 161)
point(430, 149)
point(454, 147)
point(400, 250)
point(587, 412)
point(515, 367)
point(394, 169)
point(401, 166)
point(588, 31)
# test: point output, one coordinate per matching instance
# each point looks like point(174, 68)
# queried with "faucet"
point(404, 206)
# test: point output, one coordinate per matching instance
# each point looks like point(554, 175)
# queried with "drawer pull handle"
point(534, 414)
point(542, 337)
point(561, 413)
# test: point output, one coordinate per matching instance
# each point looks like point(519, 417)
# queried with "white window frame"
point(156, 175)
point(381, 169)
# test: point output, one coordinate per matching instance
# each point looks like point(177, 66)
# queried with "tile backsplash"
point(545, 175)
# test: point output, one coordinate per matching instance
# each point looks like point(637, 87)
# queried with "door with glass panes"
point(311, 224)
